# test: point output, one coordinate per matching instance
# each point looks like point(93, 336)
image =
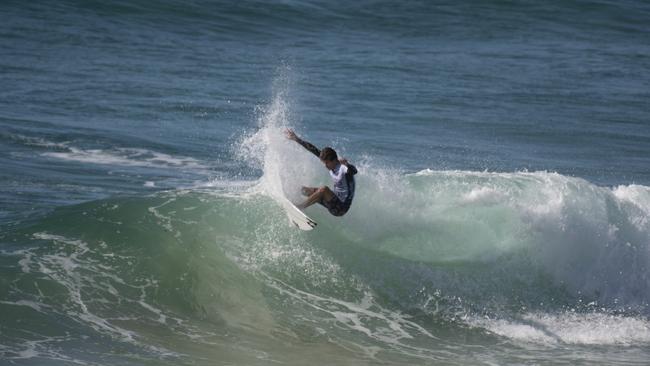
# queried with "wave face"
point(420, 264)
point(531, 257)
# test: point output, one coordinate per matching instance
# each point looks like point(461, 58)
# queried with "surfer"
point(336, 201)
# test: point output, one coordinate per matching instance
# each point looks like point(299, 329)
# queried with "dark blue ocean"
point(502, 211)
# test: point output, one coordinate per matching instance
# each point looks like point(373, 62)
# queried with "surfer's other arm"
point(311, 148)
point(352, 170)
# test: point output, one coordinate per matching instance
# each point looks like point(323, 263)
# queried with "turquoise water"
point(502, 204)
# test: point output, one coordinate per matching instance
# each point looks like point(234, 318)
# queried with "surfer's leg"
point(320, 195)
point(308, 191)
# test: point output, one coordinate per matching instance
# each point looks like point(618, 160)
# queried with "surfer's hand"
point(290, 134)
point(344, 161)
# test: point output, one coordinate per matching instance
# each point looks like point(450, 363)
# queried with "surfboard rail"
point(297, 217)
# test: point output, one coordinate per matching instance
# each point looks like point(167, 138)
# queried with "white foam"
point(128, 157)
point(592, 241)
point(162, 318)
point(63, 268)
point(41, 142)
point(26, 261)
point(484, 195)
point(367, 317)
point(637, 198)
point(31, 304)
point(571, 328)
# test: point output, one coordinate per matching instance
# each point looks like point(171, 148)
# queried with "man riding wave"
point(336, 200)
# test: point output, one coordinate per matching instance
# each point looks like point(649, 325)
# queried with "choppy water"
point(502, 208)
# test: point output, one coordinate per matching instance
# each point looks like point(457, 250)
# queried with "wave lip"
point(637, 198)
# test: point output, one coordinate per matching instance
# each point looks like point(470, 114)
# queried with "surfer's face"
point(330, 164)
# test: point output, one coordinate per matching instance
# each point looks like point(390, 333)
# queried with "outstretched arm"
point(311, 148)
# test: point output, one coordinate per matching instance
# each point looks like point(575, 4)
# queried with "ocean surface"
point(502, 212)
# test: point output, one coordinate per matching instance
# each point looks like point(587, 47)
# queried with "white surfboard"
point(297, 217)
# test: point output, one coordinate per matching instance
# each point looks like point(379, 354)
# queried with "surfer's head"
point(329, 158)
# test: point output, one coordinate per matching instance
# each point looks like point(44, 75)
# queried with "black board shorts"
point(336, 207)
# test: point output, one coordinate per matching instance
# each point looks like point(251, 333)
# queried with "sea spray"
point(285, 166)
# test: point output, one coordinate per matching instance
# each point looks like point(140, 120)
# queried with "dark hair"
point(328, 154)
